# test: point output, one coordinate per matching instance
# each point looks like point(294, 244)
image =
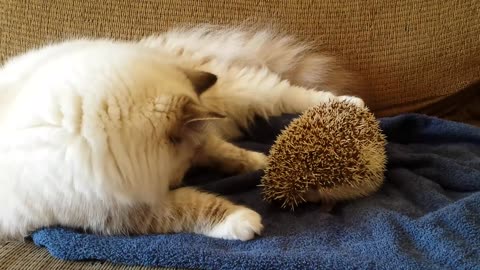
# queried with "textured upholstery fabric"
point(413, 52)
point(463, 106)
point(27, 256)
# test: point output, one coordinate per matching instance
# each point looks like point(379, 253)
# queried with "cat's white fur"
point(84, 123)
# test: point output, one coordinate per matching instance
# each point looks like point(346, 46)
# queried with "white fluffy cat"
point(96, 134)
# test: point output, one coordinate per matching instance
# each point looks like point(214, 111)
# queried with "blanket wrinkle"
point(426, 216)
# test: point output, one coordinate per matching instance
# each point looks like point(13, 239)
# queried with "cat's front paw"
point(258, 161)
point(242, 224)
point(352, 100)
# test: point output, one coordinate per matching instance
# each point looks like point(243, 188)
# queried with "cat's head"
point(191, 123)
point(193, 118)
point(169, 125)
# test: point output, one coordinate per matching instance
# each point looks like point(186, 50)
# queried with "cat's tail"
point(293, 59)
point(327, 73)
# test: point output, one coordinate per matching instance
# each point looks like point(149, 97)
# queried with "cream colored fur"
point(95, 134)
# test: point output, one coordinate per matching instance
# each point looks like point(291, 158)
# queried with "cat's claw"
point(242, 225)
point(352, 100)
point(325, 97)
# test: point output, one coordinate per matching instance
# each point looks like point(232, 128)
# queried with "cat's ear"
point(201, 80)
point(197, 116)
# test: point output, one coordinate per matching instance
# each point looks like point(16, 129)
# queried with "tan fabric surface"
point(463, 106)
point(412, 51)
point(26, 256)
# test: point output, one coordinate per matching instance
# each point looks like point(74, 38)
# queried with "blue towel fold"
point(426, 216)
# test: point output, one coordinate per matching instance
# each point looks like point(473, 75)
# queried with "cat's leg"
point(227, 157)
point(245, 93)
point(193, 211)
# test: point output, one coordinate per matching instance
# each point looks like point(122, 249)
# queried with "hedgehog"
point(332, 152)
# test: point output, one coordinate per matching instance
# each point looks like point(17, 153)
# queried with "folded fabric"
point(426, 216)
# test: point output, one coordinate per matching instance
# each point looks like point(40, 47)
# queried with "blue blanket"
point(427, 215)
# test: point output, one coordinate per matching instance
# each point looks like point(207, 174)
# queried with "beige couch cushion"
point(27, 256)
point(413, 52)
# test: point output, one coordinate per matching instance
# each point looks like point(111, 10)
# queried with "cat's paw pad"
point(352, 100)
point(242, 224)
